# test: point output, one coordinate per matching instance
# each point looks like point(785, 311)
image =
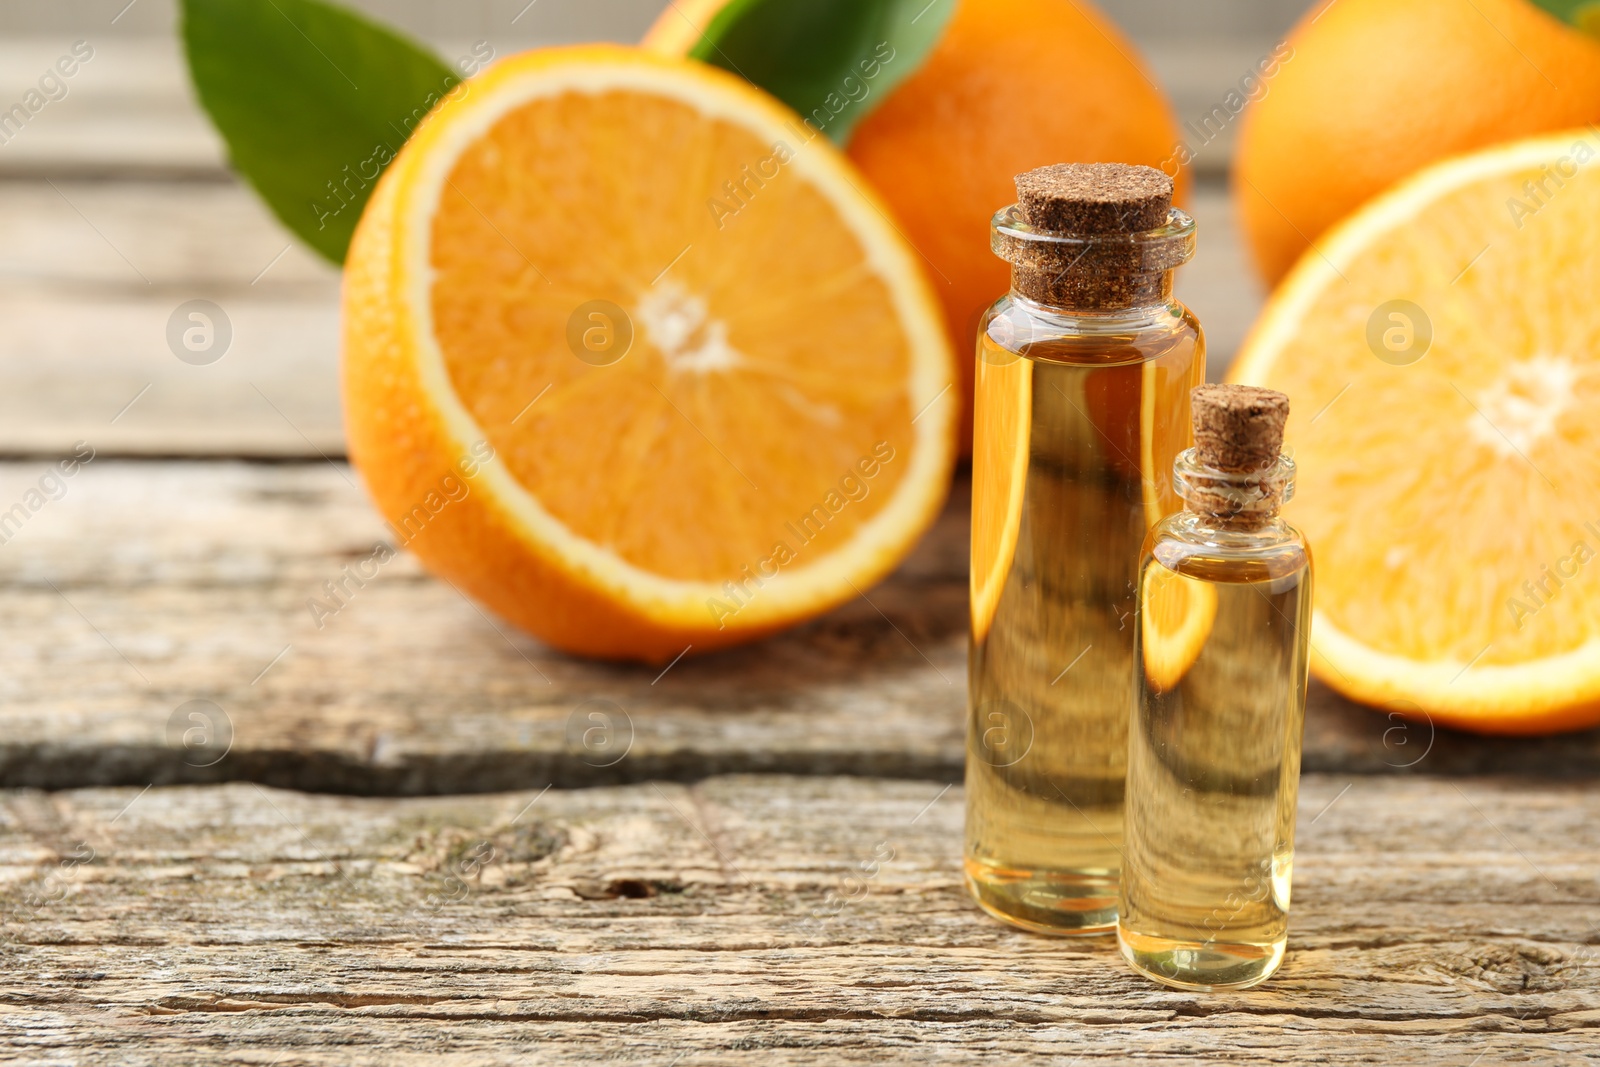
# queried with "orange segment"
point(1176, 614)
point(999, 475)
point(694, 345)
point(1443, 350)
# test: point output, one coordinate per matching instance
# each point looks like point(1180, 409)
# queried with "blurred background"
point(121, 207)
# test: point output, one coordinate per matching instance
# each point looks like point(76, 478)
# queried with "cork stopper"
point(1090, 248)
point(1094, 197)
point(1238, 473)
point(1238, 428)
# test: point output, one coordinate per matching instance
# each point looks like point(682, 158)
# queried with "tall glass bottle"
point(1214, 749)
point(1081, 404)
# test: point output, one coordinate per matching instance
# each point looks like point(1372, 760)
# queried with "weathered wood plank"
point(656, 921)
point(152, 584)
point(127, 107)
point(184, 239)
point(98, 271)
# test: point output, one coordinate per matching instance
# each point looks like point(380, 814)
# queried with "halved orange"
point(1442, 347)
point(635, 361)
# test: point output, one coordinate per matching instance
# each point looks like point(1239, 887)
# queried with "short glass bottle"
point(1214, 748)
point(1081, 404)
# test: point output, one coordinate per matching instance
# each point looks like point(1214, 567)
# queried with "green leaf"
point(834, 61)
point(313, 102)
point(1584, 14)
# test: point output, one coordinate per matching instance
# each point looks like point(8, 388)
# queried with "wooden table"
point(388, 841)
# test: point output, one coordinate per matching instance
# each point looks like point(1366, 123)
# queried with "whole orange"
point(1011, 85)
point(1376, 89)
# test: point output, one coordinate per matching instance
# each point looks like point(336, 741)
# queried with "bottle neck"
point(1073, 292)
point(1238, 501)
point(1084, 273)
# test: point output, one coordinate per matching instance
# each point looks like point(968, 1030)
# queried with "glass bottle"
point(1081, 404)
point(1214, 749)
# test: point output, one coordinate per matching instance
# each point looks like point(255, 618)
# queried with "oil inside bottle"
point(1214, 759)
point(1075, 436)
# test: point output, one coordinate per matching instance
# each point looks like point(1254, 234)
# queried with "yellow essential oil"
point(1214, 748)
point(1081, 405)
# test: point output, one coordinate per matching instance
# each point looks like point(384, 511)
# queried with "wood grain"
point(150, 584)
point(127, 110)
point(97, 272)
point(654, 921)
